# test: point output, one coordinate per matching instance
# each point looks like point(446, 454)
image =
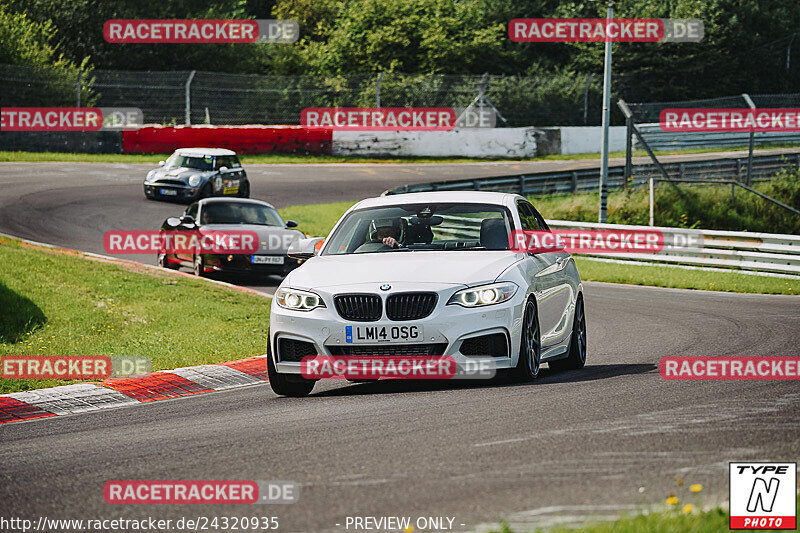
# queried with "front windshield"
point(239, 213)
point(422, 227)
point(186, 161)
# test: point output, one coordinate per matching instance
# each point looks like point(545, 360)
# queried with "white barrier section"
point(587, 139)
point(488, 142)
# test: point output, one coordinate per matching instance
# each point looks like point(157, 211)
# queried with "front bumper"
point(241, 264)
point(447, 326)
point(170, 192)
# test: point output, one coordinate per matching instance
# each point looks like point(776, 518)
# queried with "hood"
point(179, 173)
point(273, 240)
point(452, 267)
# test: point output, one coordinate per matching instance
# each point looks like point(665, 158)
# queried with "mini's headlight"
point(298, 300)
point(194, 180)
point(491, 294)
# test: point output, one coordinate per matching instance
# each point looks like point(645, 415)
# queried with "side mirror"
point(305, 248)
point(291, 224)
point(173, 222)
point(162, 163)
point(187, 220)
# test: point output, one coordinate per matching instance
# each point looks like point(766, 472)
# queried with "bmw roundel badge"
point(385, 287)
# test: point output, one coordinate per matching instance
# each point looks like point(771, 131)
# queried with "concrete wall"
point(580, 140)
point(493, 142)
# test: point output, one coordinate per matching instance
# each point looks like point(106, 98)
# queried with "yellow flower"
point(672, 500)
point(687, 509)
point(697, 487)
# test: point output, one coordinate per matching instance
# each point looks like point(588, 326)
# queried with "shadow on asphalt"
point(546, 377)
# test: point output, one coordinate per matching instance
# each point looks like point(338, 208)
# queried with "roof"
point(219, 199)
point(205, 151)
point(469, 197)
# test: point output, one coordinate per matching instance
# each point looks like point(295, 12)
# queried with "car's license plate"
point(230, 190)
point(168, 192)
point(267, 259)
point(372, 334)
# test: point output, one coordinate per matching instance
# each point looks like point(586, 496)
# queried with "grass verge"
point(682, 519)
point(682, 278)
point(58, 303)
point(10, 156)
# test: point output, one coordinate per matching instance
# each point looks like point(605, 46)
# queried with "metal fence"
point(646, 116)
point(199, 97)
point(586, 180)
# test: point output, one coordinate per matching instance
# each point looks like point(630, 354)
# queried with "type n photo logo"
point(763, 495)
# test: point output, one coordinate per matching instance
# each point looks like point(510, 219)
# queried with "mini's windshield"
point(239, 213)
point(227, 161)
point(186, 161)
point(420, 227)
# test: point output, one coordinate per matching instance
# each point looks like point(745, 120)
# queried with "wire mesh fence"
point(178, 97)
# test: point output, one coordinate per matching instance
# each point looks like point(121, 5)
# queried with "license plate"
point(230, 190)
point(168, 192)
point(372, 334)
point(267, 259)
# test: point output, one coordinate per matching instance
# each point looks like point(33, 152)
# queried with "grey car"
point(226, 214)
point(194, 173)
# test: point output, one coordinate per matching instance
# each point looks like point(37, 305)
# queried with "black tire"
point(205, 191)
point(198, 265)
point(577, 344)
point(244, 190)
point(164, 263)
point(287, 384)
point(530, 349)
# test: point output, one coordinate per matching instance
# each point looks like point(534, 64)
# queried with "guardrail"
point(759, 252)
point(568, 181)
point(668, 140)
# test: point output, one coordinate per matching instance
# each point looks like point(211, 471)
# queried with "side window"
point(192, 210)
point(531, 220)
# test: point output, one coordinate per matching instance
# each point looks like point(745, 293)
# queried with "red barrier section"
point(241, 139)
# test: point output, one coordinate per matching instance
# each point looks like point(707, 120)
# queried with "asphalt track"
point(592, 442)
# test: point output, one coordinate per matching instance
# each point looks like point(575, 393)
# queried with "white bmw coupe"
point(428, 274)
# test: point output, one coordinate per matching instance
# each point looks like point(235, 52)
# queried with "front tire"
point(198, 265)
point(530, 350)
point(284, 384)
point(163, 262)
point(577, 344)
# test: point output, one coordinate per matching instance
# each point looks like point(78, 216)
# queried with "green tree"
point(42, 76)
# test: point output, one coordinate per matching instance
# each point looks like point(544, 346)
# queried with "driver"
point(389, 231)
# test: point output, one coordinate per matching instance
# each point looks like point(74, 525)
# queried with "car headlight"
point(491, 294)
point(194, 180)
point(297, 300)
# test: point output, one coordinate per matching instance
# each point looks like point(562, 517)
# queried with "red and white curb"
point(121, 392)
